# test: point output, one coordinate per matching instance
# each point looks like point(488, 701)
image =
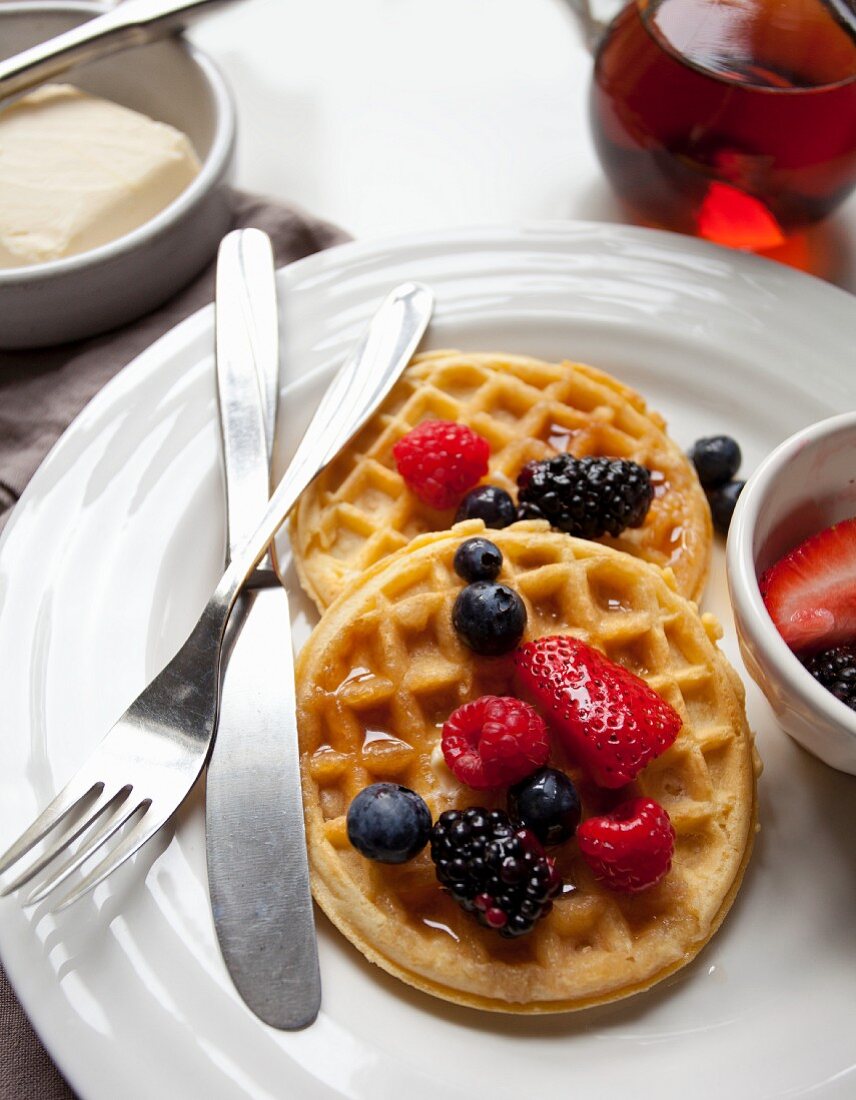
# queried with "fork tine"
point(108, 829)
point(103, 806)
point(69, 798)
point(144, 830)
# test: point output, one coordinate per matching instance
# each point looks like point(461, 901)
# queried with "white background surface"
point(387, 116)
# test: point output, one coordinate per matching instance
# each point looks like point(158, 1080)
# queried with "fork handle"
point(131, 23)
point(359, 387)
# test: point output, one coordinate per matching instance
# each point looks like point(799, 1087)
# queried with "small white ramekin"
point(171, 81)
point(805, 485)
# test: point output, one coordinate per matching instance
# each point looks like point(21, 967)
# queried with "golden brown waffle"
point(384, 669)
point(359, 510)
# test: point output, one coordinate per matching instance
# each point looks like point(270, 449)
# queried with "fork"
point(149, 760)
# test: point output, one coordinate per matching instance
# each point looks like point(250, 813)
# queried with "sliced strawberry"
point(811, 592)
point(609, 720)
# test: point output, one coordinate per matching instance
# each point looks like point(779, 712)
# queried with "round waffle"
point(360, 510)
point(376, 681)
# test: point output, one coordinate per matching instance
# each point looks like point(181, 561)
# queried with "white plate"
point(113, 550)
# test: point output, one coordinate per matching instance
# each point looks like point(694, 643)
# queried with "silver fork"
point(152, 756)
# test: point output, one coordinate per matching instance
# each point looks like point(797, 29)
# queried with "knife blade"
point(258, 871)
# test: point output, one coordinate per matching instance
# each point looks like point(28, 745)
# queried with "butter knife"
point(131, 23)
point(257, 864)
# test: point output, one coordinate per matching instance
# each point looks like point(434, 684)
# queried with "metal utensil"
point(149, 760)
point(131, 23)
point(258, 871)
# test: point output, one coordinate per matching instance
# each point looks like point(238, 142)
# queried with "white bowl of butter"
point(113, 186)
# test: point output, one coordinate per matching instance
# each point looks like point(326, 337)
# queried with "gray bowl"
point(173, 82)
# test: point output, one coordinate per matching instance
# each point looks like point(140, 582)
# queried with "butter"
point(77, 172)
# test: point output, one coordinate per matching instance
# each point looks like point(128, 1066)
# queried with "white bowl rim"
point(211, 170)
point(743, 578)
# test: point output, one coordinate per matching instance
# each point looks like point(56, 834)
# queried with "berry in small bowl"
point(791, 562)
point(835, 669)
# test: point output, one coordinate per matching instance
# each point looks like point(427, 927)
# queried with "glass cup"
point(734, 120)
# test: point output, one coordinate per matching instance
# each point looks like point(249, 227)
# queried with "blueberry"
point(716, 459)
point(527, 510)
point(489, 617)
point(388, 823)
point(722, 504)
point(488, 503)
point(547, 803)
point(478, 560)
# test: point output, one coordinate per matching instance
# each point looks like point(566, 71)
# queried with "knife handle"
point(247, 335)
point(357, 390)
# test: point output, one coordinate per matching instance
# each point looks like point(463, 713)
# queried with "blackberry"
point(587, 497)
point(499, 874)
point(835, 669)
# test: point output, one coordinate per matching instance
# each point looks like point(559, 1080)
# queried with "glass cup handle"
point(594, 16)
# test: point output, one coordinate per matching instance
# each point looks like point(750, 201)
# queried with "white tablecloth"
point(386, 116)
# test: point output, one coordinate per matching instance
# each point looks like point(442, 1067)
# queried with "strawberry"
point(811, 592)
point(609, 720)
point(631, 848)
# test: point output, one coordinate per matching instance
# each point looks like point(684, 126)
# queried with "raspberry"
point(587, 497)
point(609, 720)
point(835, 669)
point(631, 848)
point(500, 875)
point(494, 742)
point(440, 460)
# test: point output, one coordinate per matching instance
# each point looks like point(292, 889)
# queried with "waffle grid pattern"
point(384, 670)
point(360, 510)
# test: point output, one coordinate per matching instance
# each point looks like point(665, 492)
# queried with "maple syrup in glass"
point(734, 120)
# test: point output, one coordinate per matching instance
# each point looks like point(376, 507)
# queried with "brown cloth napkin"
point(40, 394)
